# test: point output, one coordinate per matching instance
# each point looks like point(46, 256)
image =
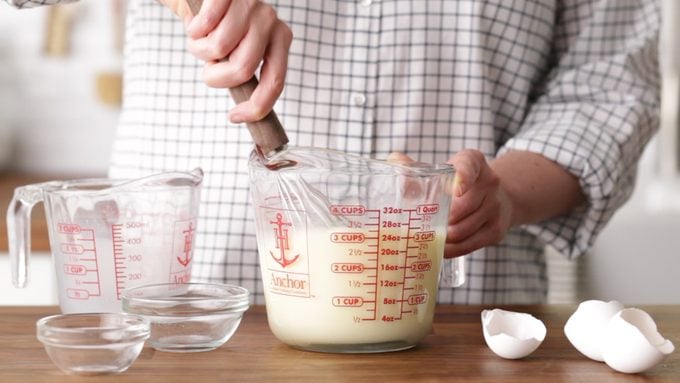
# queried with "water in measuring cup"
point(103, 243)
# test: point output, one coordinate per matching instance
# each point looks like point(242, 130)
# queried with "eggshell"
point(631, 342)
point(512, 335)
point(586, 326)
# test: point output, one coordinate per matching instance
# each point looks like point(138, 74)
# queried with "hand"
point(516, 188)
point(233, 37)
point(481, 210)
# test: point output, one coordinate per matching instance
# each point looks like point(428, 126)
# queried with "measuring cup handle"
point(19, 231)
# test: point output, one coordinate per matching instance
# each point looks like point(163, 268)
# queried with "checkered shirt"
point(576, 81)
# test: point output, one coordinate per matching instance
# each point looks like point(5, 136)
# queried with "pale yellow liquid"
point(404, 308)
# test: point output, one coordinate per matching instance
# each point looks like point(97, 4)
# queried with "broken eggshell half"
point(585, 327)
point(631, 342)
point(512, 335)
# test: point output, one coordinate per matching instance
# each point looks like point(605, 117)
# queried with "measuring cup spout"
point(19, 230)
point(174, 178)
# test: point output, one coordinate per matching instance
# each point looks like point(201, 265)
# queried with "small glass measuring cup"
point(107, 235)
point(350, 248)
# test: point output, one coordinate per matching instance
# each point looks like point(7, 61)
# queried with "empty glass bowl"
point(90, 344)
point(188, 317)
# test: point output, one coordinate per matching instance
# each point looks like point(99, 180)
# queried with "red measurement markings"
point(374, 222)
point(118, 257)
point(68, 228)
point(77, 294)
point(348, 237)
point(427, 209)
point(71, 248)
point(390, 224)
point(347, 210)
point(390, 301)
point(348, 301)
point(389, 251)
point(351, 268)
point(403, 287)
point(95, 261)
point(81, 251)
point(352, 224)
point(424, 236)
point(390, 238)
point(390, 283)
point(392, 210)
point(71, 269)
point(417, 299)
point(388, 267)
point(421, 266)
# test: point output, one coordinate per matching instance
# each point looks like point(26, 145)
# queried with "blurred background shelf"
point(39, 236)
point(41, 289)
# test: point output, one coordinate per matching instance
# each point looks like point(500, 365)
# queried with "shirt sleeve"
point(36, 3)
point(596, 111)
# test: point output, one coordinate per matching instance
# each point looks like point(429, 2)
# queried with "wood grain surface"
point(455, 351)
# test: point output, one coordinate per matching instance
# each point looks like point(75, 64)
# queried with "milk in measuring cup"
point(350, 248)
point(348, 289)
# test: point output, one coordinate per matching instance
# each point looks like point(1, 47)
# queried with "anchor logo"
point(188, 245)
point(281, 234)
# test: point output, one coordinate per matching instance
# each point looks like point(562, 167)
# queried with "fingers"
point(181, 8)
point(399, 158)
point(272, 78)
point(465, 228)
point(468, 203)
point(212, 12)
point(223, 38)
point(476, 184)
point(238, 23)
point(480, 210)
point(242, 62)
point(245, 34)
point(490, 233)
point(468, 164)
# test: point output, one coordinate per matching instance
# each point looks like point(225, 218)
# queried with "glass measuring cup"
point(350, 248)
point(107, 235)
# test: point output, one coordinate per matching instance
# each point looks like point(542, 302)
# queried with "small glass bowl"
point(89, 344)
point(188, 317)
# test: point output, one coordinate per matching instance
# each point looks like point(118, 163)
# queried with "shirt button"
point(359, 99)
point(365, 3)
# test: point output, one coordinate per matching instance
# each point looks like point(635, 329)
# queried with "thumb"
point(399, 158)
point(468, 164)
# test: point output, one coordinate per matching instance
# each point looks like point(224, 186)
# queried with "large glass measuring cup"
point(350, 249)
point(108, 235)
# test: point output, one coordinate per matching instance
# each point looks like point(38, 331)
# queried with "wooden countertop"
point(454, 351)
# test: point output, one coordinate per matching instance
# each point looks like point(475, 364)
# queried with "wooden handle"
point(267, 133)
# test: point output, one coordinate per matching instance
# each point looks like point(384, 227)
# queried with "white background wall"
point(51, 121)
point(49, 104)
point(637, 257)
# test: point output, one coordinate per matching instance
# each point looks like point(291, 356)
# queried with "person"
point(543, 107)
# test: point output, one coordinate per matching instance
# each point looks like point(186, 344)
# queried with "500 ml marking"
point(81, 266)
